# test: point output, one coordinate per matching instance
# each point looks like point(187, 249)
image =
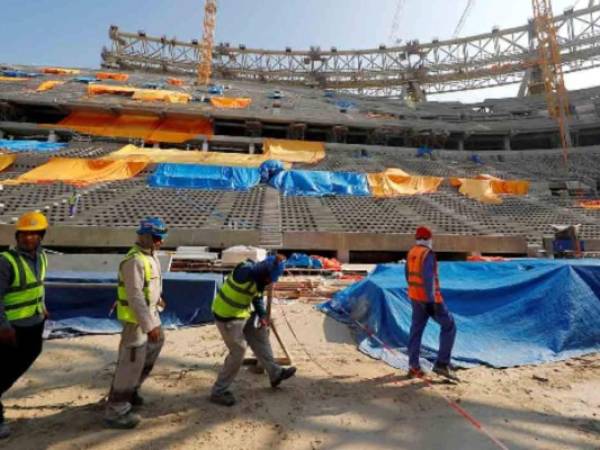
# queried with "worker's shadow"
point(337, 332)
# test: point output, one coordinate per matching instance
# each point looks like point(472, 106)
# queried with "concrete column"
point(343, 255)
point(205, 146)
point(52, 136)
point(461, 144)
point(507, 143)
point(1, 134)
point(252, 148)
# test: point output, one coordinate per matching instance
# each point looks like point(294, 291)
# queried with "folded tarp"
point(30, 146)
point(146, 95)
point(175, 81)
point(230, 103)
point(305, 152)
point(320, 184)
point(80, 172)
point(156, 155)
point(507, 313)
point(19, 74)
point(6, 161)
point(80, 302)
point(148, 127)
point(60, 71)
point(204, 177)
point(486, 188)
point(12, 79)
point(85, 80)
point(112, 76)
point(396, 182)
point(49, 85)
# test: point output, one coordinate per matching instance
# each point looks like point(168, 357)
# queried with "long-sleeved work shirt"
point(242, 274)
point(6, 279)
point(147, 313)
point(428, 275)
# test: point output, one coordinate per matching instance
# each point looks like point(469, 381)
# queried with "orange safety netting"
point(6, 161)
point(175, 81)
point(80, 171)
point(9, 79)
point(60, 71)
point(112, 76)
point(157, 155)
point(396, 182)
point(590, 204)
point(230, 103)
point(291, 151)
point(145, 95)
point(148, 127)
point(48, 85)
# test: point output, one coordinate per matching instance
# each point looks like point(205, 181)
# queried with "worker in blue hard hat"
point(139, 301)
point(241, 319)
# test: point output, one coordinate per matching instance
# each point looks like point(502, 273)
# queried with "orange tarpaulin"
point(485, 188)
point(590, 204)
point(80, 171)
point(175, 81)
point(48, 85)
point(148, 127)
point(140, 94)
point(230, 103)
point(60, 71)
point(285, 150)
point(396, 182)
point(112, 76)
point(157, 155)
point(500, 186)
point(6, 161)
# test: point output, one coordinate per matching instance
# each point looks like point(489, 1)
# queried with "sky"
point(71, 33)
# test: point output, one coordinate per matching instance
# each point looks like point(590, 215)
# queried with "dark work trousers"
point(16, 359)
point(420, 317)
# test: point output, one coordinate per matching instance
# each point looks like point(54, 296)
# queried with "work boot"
point(125, 422)
point(224, 399)
point(283, 375)
point(137, 400)
point(446, 371)
point(4, 430)
point(415, 372)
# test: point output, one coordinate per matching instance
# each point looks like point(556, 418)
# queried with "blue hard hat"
point(276, 268)
point(153, 226)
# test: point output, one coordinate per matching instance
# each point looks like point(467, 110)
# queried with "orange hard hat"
point(32, 221)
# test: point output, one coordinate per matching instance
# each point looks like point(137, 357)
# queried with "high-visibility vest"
point(416, 283)
point(25, 296)
point(233, 299)
point(124, 312)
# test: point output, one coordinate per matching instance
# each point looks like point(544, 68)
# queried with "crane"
point(463, 18)
point(393, 38)
point(208, 38)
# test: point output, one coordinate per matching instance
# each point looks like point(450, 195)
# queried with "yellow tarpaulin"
point(145, 95)
point(112, 76)
point(60, 71)
point(396, 182)
point(48, 85)
point(500, 186)
point(9, 79)
point(486, 188)
point(149, 127)
point(284, 150)
point(6, 161)
point(80, 172)
point(156, 155)
point(230, 103)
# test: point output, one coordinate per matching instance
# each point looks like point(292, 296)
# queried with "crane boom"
point(208, 37)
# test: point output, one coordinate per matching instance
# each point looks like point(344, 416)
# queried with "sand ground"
point(340, 399)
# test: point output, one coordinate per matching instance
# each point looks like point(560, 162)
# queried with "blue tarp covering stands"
point(196, 176)
point(507, 313)
point(302, 260)
point(84, 305)
point(19, 74)
point(269, 169)
point(30, 146)
point(319, 183)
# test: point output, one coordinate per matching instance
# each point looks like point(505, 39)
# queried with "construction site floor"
point(339, 399)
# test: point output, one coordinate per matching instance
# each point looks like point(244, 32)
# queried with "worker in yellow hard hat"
point(22, 307)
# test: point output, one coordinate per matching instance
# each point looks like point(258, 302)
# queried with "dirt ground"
point(340, 399)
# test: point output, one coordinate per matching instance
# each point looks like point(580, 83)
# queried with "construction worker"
point(72, 202)
point(138, 305)
point(241, 318)
point(22, 303)
point(427, 302)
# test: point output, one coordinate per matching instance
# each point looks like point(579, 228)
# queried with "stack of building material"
point(239, 253)
point(309, 288)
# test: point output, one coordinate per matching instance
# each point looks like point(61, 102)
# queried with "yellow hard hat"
point(32, 221)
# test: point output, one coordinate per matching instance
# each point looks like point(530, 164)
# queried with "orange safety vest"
point(416, 284)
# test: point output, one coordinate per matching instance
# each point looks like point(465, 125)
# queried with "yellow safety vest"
point(25, 296)
point(124, 312)
point(233, 299)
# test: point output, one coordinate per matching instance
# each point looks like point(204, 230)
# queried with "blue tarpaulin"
point(319, 184)
point(30, 146)
point(302, 260)
point(86, 80)
point(19, 74)
point(269, 169)
point(197, 176)
point(79, 303)
point(507, 313)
